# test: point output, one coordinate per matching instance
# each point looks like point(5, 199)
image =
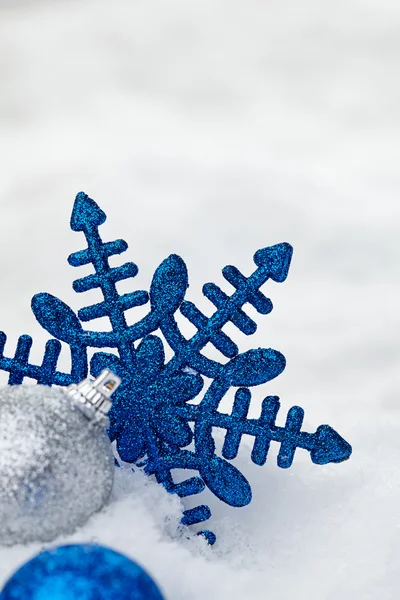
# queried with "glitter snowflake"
point(153, 420)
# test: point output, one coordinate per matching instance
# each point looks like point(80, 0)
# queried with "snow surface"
point(212, 128)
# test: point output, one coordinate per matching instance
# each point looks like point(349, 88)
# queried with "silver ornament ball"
point(56, 463)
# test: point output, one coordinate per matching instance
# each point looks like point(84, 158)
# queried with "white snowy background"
point(212, 128)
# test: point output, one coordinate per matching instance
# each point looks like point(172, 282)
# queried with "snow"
point(212, 128)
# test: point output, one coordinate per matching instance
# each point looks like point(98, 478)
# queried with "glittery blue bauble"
point(80, 572)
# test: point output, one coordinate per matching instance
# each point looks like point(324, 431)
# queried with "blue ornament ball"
point(80, 572)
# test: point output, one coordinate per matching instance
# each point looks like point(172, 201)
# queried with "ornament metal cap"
point(92, 397)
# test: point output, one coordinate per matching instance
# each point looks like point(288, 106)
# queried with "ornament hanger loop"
point(92, 397)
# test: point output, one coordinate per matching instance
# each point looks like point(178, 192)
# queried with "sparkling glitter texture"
point(80, 572)
point(55, 470)
point(152, 419)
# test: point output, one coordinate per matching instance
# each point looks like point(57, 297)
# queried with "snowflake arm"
point(273, 263)
point(19, 366)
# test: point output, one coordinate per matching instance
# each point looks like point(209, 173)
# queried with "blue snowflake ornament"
point(153, 420)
